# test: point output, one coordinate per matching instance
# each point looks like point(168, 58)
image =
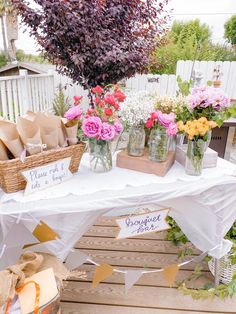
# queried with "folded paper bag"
point(57, 123)
point(30, 135)
point(3, 151)
point(48, 131)
point(71, 129)
point(10, 137)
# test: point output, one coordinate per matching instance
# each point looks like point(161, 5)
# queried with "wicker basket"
point(226, 269)
point(11, 179)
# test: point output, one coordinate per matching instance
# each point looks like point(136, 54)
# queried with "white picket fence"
point(228, 69)
point(25, 92)
point(36, 92)
point(167, 84)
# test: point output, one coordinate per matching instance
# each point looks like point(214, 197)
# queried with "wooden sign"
point(49, 175)
point(132, 226)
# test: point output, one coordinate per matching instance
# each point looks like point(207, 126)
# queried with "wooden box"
point(143, 164)
point(209, 160)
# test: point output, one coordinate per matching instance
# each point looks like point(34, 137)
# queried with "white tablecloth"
point(204, 207)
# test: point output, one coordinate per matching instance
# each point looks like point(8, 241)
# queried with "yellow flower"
point(203, 120)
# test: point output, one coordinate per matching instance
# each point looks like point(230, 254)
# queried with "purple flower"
point(92, 127)
point(203, 97)
point(108, 132)
point(118, 127)
point(165, 119)
point(172, 129)
point(74, 113)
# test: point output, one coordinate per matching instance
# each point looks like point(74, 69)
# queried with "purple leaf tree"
point(96, 42)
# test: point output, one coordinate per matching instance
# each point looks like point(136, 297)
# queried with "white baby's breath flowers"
point(137, 107)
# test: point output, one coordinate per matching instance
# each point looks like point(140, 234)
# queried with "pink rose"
point(108, 132)
point(92, 127)
point(118, 127)
point(166, 119)
point(172, 129)
point(74, 113)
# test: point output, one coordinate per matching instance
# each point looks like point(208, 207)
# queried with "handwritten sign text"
point(51, 174)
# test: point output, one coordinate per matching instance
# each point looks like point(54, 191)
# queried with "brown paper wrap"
point(30, 135)
point(10, 137)
point(71, 129)
point(49, 134)
point(57, 123)
point(29, 264)
point(3, 151)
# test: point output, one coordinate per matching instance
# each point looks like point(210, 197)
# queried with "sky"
point(212, 12)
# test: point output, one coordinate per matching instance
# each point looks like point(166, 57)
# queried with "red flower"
point(101, 104)
point(116, 106)
point(154, 115)
point(110, 99)
point(97, 100)
point(77, 100)
point(108, 112)
point(149, 123)
point(97, 90)
point(119, 96)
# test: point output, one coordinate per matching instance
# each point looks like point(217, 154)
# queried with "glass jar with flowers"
point(101, 126)
point(134, 113)
point(177, 105)
point(208, 102)
point(197, 133)
point(163, 127)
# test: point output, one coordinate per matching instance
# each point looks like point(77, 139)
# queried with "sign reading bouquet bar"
point(132, 226)
point(51, 174)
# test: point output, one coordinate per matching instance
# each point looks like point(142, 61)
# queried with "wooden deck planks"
point(83, 308)
point(150, 295)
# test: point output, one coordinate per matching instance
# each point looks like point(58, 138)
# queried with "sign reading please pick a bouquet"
point(46, 176)
point(132, 226)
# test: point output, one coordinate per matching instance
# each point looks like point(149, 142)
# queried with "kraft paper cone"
point(10, 137)
point(30, 115)
point(170, 273)
point(48, 131)
point(71, 129)
point(102, 272)
point(30, 135)
point(57, 123)
point(3, 151)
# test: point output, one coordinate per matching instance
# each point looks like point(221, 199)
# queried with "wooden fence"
point(36, 92)
point(25, 92)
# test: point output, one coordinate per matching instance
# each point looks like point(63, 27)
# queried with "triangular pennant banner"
point(18, 236)
point(131, 277)
point(170, 273)
point(44, 233)
point(102, 272)
point(75, 259)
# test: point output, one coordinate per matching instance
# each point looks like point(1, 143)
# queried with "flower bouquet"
point(197, 132)
point(101, 125)
point(134, 113)
point(163, 127)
